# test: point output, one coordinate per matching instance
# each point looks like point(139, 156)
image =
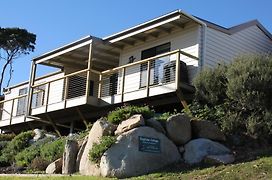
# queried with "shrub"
point(17, 144)
point(53, 150)
point(25, 157)
point(7, 137)
point(39, 164)
point(210, 85)
point(250, 82)
point(238, 97)
point(98, 150)
point(166, 115)
point(123, 113)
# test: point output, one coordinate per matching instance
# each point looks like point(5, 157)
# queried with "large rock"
point(206, 129)
point(178, 129)
point(55, 167)
point(133, 122)
point(80, 152)
point(155, 124)
point(197, 149)
point(69, 157)
point(100, 128)
point(138, 151)
point(39, 134)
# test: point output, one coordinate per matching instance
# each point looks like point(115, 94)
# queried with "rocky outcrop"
point(55, 167)
point(206, 129)
point(80, 152)
point(138, 151)
point(100, 128)
point(69, 157)
point(178, 129)
point(196, 150)
point(133, 122)
point(155, 124)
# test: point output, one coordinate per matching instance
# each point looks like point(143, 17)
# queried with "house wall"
point(222, 47)
point(55, 92)
point(186, 39)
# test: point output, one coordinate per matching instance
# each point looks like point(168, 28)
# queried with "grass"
point(258, 168)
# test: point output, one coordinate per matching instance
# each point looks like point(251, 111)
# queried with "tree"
point(14, 42)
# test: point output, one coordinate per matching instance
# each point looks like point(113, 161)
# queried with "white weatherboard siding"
point(187, 40)
point(222, 47)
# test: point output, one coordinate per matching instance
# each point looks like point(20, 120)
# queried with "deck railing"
point(141, 75)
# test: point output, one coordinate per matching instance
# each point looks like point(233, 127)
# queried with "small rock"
point(69, 157)
point(55, 167)
point(39, 134)
point(196, 150)
point(208, 130)
point(178, 129)
point(155, 124)
point(219, 159)
point(133, 122)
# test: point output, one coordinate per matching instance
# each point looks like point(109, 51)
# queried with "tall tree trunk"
point(9, 60)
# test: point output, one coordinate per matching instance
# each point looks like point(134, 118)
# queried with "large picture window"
point(156, 66)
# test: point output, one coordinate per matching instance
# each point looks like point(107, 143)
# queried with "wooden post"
point(100, 86)
point(30, 89)
point(123, 84)
point(148, 78)
point(66, 88)
point(90, 64)
point(11, 113)
point(47, 96)
point(177, 70)
point(53, 124)
point(82, 117)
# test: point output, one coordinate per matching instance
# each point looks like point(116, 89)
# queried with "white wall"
point(55, 93)
point(222, 48)
point(186, 39)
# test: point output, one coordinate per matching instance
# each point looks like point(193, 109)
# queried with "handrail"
point(68, 75)
point(149, 59)
point(17, 97)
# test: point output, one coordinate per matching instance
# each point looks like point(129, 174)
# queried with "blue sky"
point(58, 22)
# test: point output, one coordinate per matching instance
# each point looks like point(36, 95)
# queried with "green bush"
point(250, 82)
point(238, 97)
point(25, 157)
point(7, 137)
point(122, 113)
point(53, 150)
point(98, 150)
point(166, 115)
point(16, 145)
point(210, 85)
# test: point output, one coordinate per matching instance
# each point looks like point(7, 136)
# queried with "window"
point(21, 106)
point(155, 65)
point(38, 97)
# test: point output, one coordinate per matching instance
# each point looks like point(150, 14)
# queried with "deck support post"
point(82, 117)
point(148, 78)
point(53, 124)
point(88, 78)
point(123, 84)
point(30, 89)
point(71, 127)
point(100, 86)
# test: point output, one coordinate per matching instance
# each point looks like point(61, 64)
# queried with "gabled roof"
point(237, 28)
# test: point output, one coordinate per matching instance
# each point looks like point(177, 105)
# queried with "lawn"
point(256, 169)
